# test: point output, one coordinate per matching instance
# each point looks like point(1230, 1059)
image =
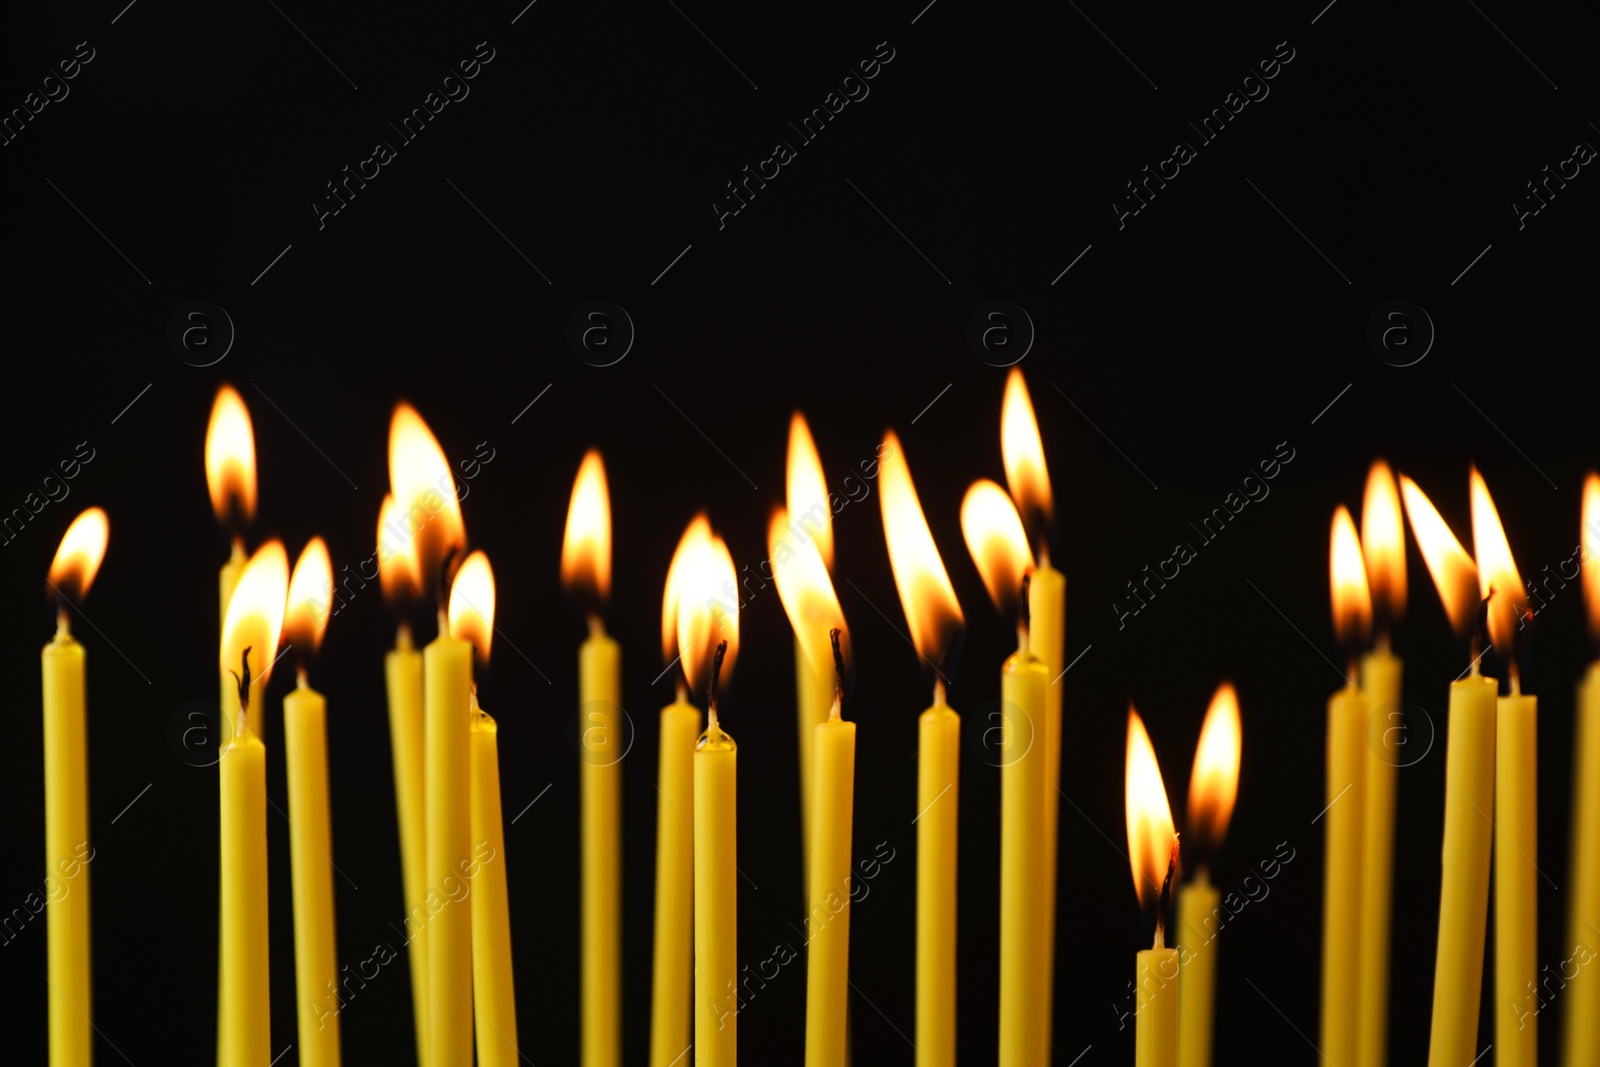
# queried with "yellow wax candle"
point(673, 972)
point(1047, 598)
point(1023, 681)
point(66, 835)
point(1156, 1027)
point(1464, 885)
point(828, 922)
point(813, 700)
point(1581, 1013)
point(493, 991)
point(227, 581)
point(1198, 903)
point(1380, 681)
point(228, 577)
point(447, 678)
point(716, 898)
point(938, 809)
point(403, 677)
point(1516, 879)
point(1345, 818)
point(316, 962)
point(599, 668)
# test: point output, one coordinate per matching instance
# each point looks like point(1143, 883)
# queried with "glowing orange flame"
point(1023, 453)
point(255, 614)
point(586, 548)
point(399, 570)
point(1150, 829)
point(1383, 542)
point(996, 542)
point(231, 457)
point(807, 595)
point(310, 598)
point(698, 531)
point(702, 584)
point(424, 490)
point(1214, 783)
point(1497, 571)
point(925, 593)
point(1453, 572)
point(1352, 604)
point(807, 489)
point(472, 604)
point(1590, 554)
point(83, 546)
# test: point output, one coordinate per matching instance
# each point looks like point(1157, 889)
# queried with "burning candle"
point(828, 922)
point(249, 641)
point(1581, 1019)
point(934, 617)
point(1383, 549)
point(1213, 786)
point(1346, 794)
point(1516, 795)
point(1153, 854)
point(999, 547)
point(809, 524)
point(66, 793)
point(1469, 796)
point(586, 573)
point(671, 1009)
point(305, 743)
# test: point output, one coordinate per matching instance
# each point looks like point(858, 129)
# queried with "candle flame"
point(472, 604)
point(699, 529)
point(399, 570)
point(996, 542)
point(1150, 829)
point(586, 548)
point(424, 490)
point(1352, 604)
point(807, 490)
point(807, 595)
point(1589, 551)
point(1214, 783)
point(310, 599)
point(926, 596)
point(702, 585)
point(1023, 453)
point(1383, 542)
point(77, 561)
point(1497, 571)
point(255, 614)
point(1454, 574)
point(231, 458)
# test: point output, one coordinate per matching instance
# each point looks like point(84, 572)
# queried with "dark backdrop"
point(1182, 346)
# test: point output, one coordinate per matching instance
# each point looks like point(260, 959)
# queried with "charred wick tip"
point(1025, 615)
point(1166, 893)
point(442, 588)
point(716, 670)
point(242, 682)
point(838, 657)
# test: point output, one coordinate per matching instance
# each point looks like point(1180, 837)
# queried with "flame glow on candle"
point(1454, 574)
point(424, 490)
point(1023, 453)
point(1214, 782)
point(472, 604)
point(78, 558)
point(399, 570)
point(1383, 543)
point(700, 607)
point(310, 593)
point(996, 542)
point(586, 546)
point(807, 595)
point(255, 617)
point(231, 458)
point(1150, 831)
point(1590, 542)
point(807, 489)
point(1352, 604)
point(926, 595)
point(1497, 571)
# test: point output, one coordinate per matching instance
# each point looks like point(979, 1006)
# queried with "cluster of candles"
point(448, 801)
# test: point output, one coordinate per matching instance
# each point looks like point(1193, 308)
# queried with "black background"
point(1197, 338)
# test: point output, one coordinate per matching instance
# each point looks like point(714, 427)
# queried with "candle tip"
point(938, 693)
point(242, 682)
point(597, 625)
point(1166, 896)
point(63, 619)
point(838, 672)
point(716, 669)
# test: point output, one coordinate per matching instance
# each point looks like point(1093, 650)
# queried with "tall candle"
point(813, 699)
point(716, 891)
point(1153, 857)
point(938, 805)
point(673, 956)
point(1198, 904)
point(249, 641)
point(493, 989)
point(66, 797)
point(447, 678)
point(1581, 1014)
point(828, 921)
point(1023, 681)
